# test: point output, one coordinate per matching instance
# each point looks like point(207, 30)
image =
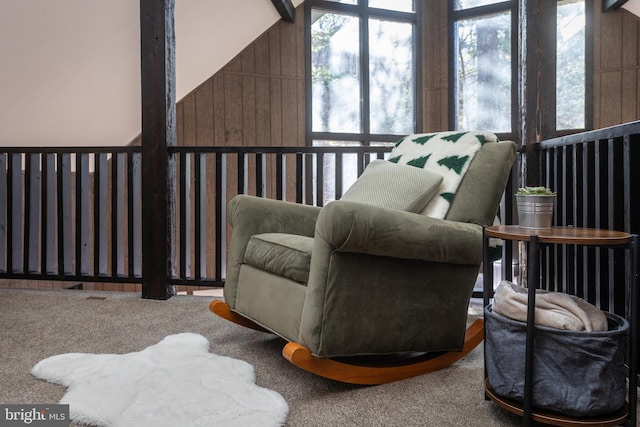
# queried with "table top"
point(565, 235)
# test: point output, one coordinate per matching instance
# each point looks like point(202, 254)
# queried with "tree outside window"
point(363, 78)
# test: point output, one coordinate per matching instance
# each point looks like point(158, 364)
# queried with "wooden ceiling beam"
point(285, 9)
point(610, 4)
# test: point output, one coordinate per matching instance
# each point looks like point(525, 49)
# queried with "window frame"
point(588, 72)
point(517, 53)
point(364, 12)
point(478, 12)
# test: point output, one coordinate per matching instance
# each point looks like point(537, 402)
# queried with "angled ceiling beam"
point(610, 4)
point(285, 9)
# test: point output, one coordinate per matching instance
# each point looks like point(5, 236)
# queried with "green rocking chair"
point(374, 287)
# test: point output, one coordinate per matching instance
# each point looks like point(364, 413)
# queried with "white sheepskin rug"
point(176, 382)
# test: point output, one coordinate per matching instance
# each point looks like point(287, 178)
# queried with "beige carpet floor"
point(37, 324)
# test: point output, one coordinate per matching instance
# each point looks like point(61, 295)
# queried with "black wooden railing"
point(208, 177)
point(75, 214)
point(597, 178)
point(71, 214)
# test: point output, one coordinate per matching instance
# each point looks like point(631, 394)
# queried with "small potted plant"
point(535, 207)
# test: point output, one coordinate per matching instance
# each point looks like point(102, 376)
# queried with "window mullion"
point(365, 103)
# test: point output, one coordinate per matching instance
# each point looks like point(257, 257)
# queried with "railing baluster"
point(114, 213)
point(66, 217)
point(626, 187)
point(26, 214)
point(117, 216)
point(32, 213)
point(222, 178)
point(299, 176)
point(242, 173)
point(130, 240)
point(78, 215)
point(260, 177)
point(320, 179)
point(308, 178)
point(36, 216)
point(198, 226)
point(82, 213)
point(338, 176)
point(100, 202)
point(15, 222)
point(59, 214)
point(4, 206)
point(44, 184)
point(590, 218)
point(135, 187)
point(610, 224)
point(47, 246)
point(221, 228)
point(185, 214)
point(281, 188)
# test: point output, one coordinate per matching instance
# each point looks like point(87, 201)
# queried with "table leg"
point(533, 272)
point(633, 332)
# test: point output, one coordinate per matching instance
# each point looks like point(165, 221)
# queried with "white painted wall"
point(632, 6)
point(70, 69)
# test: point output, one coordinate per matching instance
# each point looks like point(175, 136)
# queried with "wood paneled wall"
point(258, 99)
point(435, 76)
point(616, 89)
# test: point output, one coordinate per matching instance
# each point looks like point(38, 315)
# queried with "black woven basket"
point(574, 373)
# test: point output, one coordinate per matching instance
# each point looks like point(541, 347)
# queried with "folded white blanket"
point(553, 309)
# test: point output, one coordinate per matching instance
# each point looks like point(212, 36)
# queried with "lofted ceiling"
point(632, 6)
point(70, 72)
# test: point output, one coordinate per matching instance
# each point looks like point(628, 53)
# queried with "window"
point(483, 41)
point(571, 65)
point(363, 79)
point(486, 72)
point(335, 73)
point(363, 70)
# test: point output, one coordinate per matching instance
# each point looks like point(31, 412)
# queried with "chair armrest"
point(353, 227)
point(250, 215)
point(255, 215)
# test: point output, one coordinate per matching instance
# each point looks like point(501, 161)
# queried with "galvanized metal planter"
point(535, 211)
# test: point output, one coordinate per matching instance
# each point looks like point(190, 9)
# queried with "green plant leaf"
point(535, 191)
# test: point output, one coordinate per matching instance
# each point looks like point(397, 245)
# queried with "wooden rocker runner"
point(361, 374)
point(369, 277)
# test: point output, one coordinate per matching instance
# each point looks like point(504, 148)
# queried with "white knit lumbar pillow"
point(395, 186)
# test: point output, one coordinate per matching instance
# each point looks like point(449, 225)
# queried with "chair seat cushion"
point(287, 255)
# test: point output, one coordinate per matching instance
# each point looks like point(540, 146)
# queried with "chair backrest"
point(480, 191)
point(448, 154)
point(475, 168)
